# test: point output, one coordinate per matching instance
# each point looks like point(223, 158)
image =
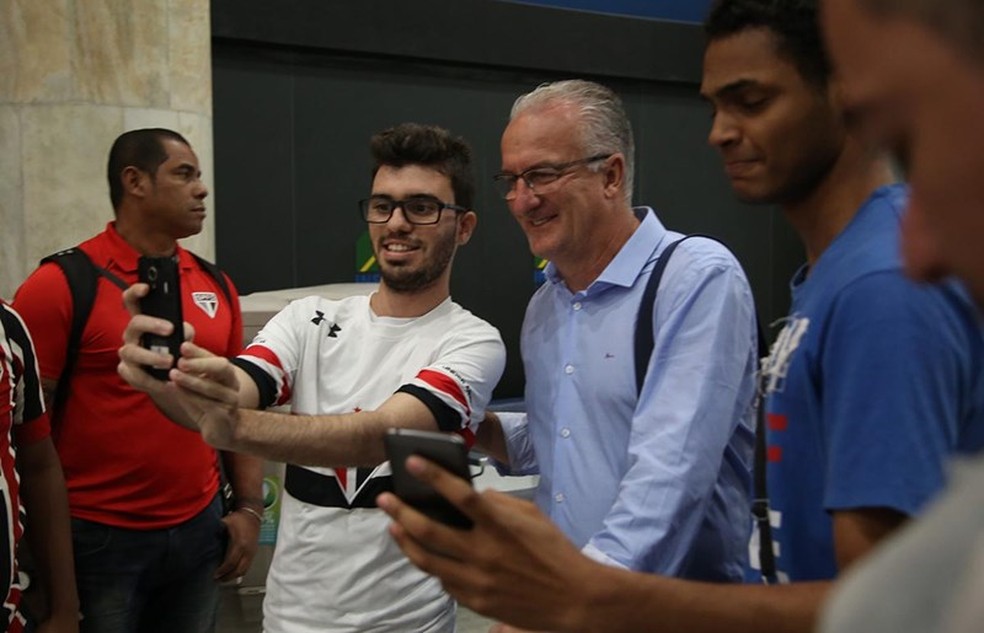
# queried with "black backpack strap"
point(83, 279)
point(760, 504)
point(644, 336)
point(644, 344)
point(216, 274)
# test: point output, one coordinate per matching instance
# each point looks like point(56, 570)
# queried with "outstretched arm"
point(516, 566)
point(210, 386)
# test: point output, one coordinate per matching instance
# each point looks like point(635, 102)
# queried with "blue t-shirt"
point(872, 384)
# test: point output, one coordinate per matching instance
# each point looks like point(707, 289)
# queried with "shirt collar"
point(124, 256)
point(630, 259)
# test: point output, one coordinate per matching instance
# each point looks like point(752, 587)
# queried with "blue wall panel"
point(679, 10)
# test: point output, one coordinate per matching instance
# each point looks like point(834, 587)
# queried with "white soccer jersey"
point(335, 568)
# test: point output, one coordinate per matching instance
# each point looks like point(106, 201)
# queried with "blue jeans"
point(136, 581)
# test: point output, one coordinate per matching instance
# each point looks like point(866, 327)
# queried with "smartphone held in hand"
point(164, 302)
point(444, 449)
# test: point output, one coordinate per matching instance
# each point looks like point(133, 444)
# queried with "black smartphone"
point(444, 449)
point(164, 302)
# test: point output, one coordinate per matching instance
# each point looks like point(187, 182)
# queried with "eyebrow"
point(409, 195)
point(731, 89)
point(534, 166)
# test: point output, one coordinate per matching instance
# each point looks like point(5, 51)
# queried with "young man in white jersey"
point(407, 356)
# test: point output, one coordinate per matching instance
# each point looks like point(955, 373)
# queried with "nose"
point(723, 132)
point(398, 220)
point(201, 191)
point(522, 197)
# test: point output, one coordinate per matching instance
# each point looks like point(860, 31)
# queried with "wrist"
point(255, 503)
point(251, 512)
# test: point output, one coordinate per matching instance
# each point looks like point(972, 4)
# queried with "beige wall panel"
point(121, 53)
point(34, 51)
point(191, 56)
point(11, 217)
point(137, 118)
point(66, 197)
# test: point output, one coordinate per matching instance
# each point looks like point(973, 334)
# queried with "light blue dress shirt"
point(660, 482)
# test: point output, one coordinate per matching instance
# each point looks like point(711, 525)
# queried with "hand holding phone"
point(444, 449)
point(162, 301)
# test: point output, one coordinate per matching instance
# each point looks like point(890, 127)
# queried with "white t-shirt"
point(927, 578)
point(335, 567)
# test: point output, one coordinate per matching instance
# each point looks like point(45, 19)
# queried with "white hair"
point(604, 128)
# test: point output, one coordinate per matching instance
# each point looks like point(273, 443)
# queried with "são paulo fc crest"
point(207, 301)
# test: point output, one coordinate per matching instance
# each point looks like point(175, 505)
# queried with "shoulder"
point(702, 263)
point(704, 252)
point(463, 321)
point(209, 269)
point(12, 324)
point(888, 296)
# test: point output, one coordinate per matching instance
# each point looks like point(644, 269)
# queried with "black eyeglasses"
point(416, 209)
point(540, 179)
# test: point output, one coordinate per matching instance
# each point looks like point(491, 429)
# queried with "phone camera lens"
point(152, 273)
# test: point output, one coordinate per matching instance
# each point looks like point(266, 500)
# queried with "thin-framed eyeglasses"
point(540, 179)
point(416, 209)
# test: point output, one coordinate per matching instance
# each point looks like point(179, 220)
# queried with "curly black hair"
point(429, 146)
point(794, 22)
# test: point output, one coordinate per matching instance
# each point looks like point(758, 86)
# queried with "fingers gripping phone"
point(444, 449)
point(164, 302)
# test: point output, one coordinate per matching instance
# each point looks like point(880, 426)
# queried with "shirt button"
point(565, 432)
point(559, 497)
point(577, 305)
point(568, 369)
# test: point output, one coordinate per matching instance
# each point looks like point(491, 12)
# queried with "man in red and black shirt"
point(38, 491)
point(149, 536)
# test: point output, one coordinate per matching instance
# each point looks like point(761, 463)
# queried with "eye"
point(754, 104)
point(421, 207)
point(380, 205)
point(541, 176)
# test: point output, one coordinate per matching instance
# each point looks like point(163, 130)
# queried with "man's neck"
point(145, 242)
point(387, 302)
point(579, 270)
point(820, 216)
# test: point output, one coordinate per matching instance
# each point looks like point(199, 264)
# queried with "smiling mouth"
point(398, 248)
point(538, 222)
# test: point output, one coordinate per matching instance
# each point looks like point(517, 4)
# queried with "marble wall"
point(74, 74)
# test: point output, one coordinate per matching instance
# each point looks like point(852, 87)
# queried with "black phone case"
point(164, 302)
point(448, 451)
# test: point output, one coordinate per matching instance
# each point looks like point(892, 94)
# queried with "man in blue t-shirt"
point(873, 381)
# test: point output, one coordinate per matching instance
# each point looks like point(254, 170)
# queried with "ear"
point(135, 182)
point(614, 173)
point(466, 226)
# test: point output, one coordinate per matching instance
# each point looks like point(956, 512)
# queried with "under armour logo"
point(333, 328)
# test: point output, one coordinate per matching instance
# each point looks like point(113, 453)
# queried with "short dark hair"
point(143, 149)
point(794, 22)
point(428, 146)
